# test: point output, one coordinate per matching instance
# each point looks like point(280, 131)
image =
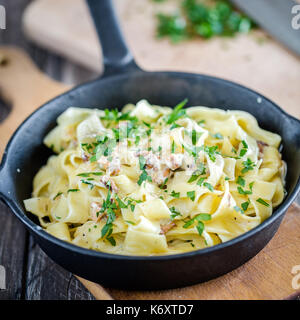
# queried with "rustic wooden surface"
point(248, 59)
point(30, 273)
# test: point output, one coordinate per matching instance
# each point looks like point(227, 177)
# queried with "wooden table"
point(30, 274)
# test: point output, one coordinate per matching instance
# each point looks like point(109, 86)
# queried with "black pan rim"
point(38, 231)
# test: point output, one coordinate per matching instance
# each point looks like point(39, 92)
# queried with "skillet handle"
point(116, 55)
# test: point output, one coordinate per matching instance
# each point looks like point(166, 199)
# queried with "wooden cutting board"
point(272, 274)
point(254, 60)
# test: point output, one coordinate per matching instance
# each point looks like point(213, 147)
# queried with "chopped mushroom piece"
point(95, 208)
point(167, 227)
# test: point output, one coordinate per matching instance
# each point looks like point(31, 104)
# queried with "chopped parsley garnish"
point(204, 19)
point(191, 195)
point(121, 204)
point(194, 177)
point(90, 184)
point(87, 174)
point(263, 202)
point(87, 147)
point(241, 181)
point(105, 230)
point(211, 152)
point(200, 181)
point(248, 165)
point(137, 140)
point(198, 218)
point(194, 137)
point(245, 145)
point(111, 240)
point(174, 213)
point(193, 151)
point(243, 192)
point(144, 177)
point(177, 113)
point(132, 203)
point(245, 148)
point(173, 148)
point(245, 205)
point(175, 194)
point(172, 26)
point(116, 116)
point(196, 174)
point(73, 190)
point(174, 125)
point(251, 185)
point(208, 186)
point(142, 162)
point(130, 222)
point(57, 195)
point(163, 185)
point(104, 147)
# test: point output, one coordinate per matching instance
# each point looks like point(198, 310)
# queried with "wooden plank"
point(25, 279)
point(13, 237)
point(13, 250)
point(266, 276)
point(45, 280)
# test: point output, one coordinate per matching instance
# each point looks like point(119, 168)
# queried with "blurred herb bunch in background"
point(202, 18)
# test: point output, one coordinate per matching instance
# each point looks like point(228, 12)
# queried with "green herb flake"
point(111, 240)
point(173, 148)
point(174, 126)
point(130, 222)
point(175, 194)
point(174, 213)
point(263, 202)
point(137, 140)
point(87, 174)
point(91, 185)
point(245, 205)
point(121, 204)
point(208, 186)
point(200, 227)
point(142, 162)
point(191, 195)
point(241, 181)
point(200, 181)
point(243, 192)
point(248, 165)
point(57, 195)
point(143, 177)
point(177, 113)
point(73, 190)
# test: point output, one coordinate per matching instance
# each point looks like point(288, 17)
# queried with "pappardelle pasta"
point(153, 180)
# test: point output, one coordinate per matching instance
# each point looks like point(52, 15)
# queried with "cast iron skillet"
point(121, 83)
